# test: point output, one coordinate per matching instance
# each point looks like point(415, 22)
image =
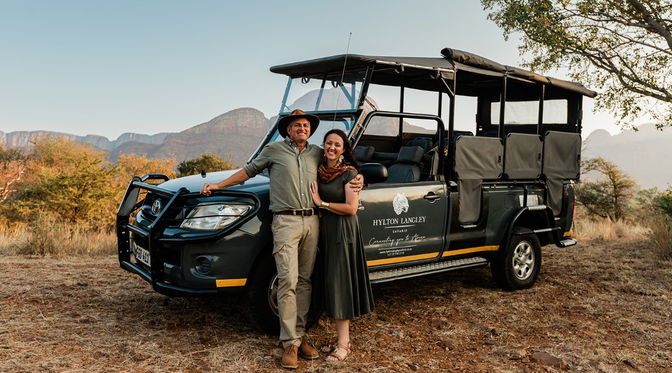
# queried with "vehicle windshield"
point(323, 95)
point(344, 124)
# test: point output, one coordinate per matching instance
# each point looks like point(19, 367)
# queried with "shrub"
point(663, 202)
point(207, 162)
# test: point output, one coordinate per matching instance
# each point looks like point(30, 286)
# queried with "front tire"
point(262, 296)
point(518, 266)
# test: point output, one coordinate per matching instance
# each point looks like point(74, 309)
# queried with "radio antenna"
point(340, 83)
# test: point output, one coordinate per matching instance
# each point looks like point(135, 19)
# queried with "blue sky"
point(109, 67)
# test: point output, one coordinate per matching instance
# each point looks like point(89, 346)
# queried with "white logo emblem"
point(400, 203)
point(156, 206)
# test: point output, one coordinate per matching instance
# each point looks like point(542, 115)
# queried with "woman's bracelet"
point(324, 205)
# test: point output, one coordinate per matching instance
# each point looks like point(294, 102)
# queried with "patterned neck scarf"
point(327, 174)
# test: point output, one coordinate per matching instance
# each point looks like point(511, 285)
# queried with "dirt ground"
point(597, 307)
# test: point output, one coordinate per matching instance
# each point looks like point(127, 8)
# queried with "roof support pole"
point(319, 97)
point(450, 90)
point(540, 121)
point(283, 105)
point(502, 103)
point(401, 119)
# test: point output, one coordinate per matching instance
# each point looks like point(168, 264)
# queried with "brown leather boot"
point(307, 351)
point(290, 358)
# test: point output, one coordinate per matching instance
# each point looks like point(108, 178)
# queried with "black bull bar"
point(151, 233)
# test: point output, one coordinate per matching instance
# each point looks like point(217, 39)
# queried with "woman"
point(346, 278)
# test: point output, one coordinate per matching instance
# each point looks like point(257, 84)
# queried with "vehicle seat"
point(405, 169)
point(363, 153)
point(424, 142)
point(385, 158)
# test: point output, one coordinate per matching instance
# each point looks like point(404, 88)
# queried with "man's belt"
point(306, 212)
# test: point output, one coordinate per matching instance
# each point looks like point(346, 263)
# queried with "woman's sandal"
point(328, 348)
point(339, 353)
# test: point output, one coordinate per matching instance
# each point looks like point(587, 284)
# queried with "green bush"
point(207, 162)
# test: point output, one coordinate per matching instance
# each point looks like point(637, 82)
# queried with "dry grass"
point(608, 230)
point(54, 239)
point(661, 236)
point(599, 306)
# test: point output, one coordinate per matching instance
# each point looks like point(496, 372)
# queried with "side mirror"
point(373, 172)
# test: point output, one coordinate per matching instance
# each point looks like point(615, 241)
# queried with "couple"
point(295, 166)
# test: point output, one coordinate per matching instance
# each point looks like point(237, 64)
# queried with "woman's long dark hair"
point(348, 155)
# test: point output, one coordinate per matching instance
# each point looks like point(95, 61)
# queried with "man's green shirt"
point(290, 172)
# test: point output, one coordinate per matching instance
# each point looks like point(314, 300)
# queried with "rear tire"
point(518, 266)
point(262, 296)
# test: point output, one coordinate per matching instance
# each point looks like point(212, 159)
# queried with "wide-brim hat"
point(296, 114)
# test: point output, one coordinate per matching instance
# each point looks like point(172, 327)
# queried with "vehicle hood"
point(194, 183)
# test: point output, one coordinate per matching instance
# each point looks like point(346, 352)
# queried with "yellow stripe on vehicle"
point(400, 259)
point(471, 250)
point(231, 282)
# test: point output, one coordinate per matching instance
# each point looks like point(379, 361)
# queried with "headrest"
point(410, 154)
point(364, 153)
point(457, 134)
point(424, 142)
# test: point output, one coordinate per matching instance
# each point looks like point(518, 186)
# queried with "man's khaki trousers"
point(294, 249)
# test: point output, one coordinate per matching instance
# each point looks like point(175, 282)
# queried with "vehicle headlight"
point(215, 216)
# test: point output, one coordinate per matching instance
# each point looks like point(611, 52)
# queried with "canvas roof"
point(422, 72)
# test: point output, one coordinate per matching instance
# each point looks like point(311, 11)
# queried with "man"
point(292, 165)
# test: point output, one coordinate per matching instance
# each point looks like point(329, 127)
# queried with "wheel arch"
point(526, 221)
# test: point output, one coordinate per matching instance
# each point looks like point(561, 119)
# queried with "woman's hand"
point(315, 194)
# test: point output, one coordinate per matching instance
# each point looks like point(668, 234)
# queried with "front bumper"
point(165, 271)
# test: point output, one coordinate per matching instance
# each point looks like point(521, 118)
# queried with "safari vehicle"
point(467, 163)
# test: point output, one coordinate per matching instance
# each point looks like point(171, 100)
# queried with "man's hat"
point(296, 114)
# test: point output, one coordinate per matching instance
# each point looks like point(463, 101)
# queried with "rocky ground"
point(597, 307)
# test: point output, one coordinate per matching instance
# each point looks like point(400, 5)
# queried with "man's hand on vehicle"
point(357, 183)
point(207, 189)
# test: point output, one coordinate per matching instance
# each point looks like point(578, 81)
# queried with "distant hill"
point(233, 135)
point(645, 155)
point(21, 139)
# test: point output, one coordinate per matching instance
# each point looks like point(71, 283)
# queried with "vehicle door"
point(403, 219)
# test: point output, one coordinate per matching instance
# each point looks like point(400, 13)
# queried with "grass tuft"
point(45, 237)
point(661, 235)
point(607, 230)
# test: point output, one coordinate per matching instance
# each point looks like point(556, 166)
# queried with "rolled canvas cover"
point(469, 201)
point(555, 195)
point(562, 157)
point(476, 158)
point(522, 156)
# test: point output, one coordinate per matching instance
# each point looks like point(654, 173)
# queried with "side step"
point(425, 269)
point(567, 242)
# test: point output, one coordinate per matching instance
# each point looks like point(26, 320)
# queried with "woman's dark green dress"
point(347, 289)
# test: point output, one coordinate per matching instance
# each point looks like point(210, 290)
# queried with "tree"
point(136, 165)
point(12, 167)
point(73, 183)
point(609, 196)
point(621, 47)
point(207, 162)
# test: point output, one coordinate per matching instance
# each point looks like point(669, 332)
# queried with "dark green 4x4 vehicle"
point(467, 163)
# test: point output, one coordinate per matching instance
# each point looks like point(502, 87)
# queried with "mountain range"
point(646, 155)
point(233, 135)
